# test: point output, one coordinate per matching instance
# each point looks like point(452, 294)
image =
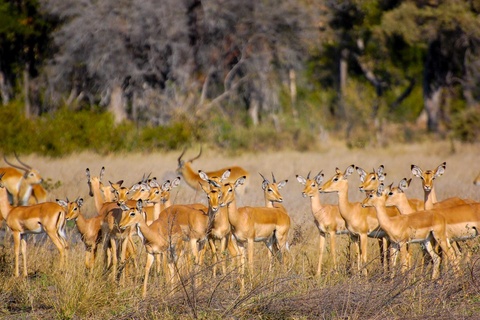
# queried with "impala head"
point(311, 185)
point(31, 176)
point(271, 189)
point(214, 196)
point(371, 181)
point(182, 163)
point(72, 207)
point(95, 180)
point(394, 193)
point(338, 181)
point(122, 194)
point(429, 175)
point(228, 191)
point(140, 190)
point(214, 181)
point(161, 193)
point(375, 196)
point(131, 215)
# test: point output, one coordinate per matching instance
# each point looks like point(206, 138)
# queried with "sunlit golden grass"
point(291, 290)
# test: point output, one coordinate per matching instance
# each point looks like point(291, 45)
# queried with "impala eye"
point(335, 179)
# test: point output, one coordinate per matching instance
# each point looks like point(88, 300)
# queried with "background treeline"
point(239, 75)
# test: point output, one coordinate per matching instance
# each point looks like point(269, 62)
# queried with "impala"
point(48, 217)
point(462, 221)
point(422, 227)
point(160, 197)
point(161, 237)
point(90, 229)
point(371, 181)
point(428, 176)
point(39, 194)
point(193, 179)
point(327, 217)
point(221, 229)
point(257, 224)
point(361, 222)
point(19, 180)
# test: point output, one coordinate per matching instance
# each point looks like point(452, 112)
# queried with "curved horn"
point(102, 172)
point(199, 154)
point(273, 178)
point(23, 163)
point(264, 179)
point(308, 175)
point(13, 165)
point(181, 155)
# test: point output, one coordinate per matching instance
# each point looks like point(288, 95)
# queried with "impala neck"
point(382, 215)
point(190, 176)
point(5, 206)
point(81, 222)
point(24, 192)
point(158, 207)
point(403, 205)
point(315, 203)
point(97, 195)
point(233, 213)
point(430, 198)
point(346, 208)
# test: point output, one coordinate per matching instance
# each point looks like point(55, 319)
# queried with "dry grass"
point(291, 291)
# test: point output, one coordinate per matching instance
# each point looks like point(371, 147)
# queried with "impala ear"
point(416, 171)
point(240, 181)
point(202, 175)
point(79, 201)
point(380, 189)
point(349, 170)
point(441, 169)
point(62, 203)
point(226, 175)
point(362, 173)
point(139, 205)
point(301, 179)
point(282, 184)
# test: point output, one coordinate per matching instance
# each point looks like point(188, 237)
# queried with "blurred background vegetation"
point(142, 75)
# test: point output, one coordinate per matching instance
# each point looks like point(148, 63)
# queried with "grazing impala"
point(326, 216)
point(48, 217)
point(424, 227)
point(193, 179)
point(19, 181)
point(258, 224)
point(90, 229)
point(361, 222)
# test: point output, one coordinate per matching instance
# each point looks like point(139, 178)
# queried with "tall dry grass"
point(289, 292)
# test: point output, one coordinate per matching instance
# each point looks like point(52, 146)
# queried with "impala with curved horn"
point(193, 179)
point(19, 181)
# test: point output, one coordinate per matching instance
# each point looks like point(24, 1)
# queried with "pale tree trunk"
point(293, 92)
point(4, 89)
point(253, 110)
point(26, 91)
point(432, 102)
point(117, 104)
point(343, 81)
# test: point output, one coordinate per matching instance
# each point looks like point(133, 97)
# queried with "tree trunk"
point(26, 91)
point(117, 104)
point(253, 110)
point(343, 81)
point(4, 89)
point(432, 108)
point(293, 92)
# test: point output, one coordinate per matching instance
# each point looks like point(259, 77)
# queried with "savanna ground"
point(290, 291)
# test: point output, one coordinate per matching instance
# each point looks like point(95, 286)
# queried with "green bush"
point(465, 125)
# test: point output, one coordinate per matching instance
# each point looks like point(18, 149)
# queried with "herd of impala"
point(179, 234)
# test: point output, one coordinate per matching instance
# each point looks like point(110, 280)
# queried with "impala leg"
point(57, 241)
point(211, 242)
point(435, 258)
point(17, 243)
point(223, 247)
point(333, 249)
point(250, 255)
point(363, 253)
point(321, 248)
point(148, 265)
